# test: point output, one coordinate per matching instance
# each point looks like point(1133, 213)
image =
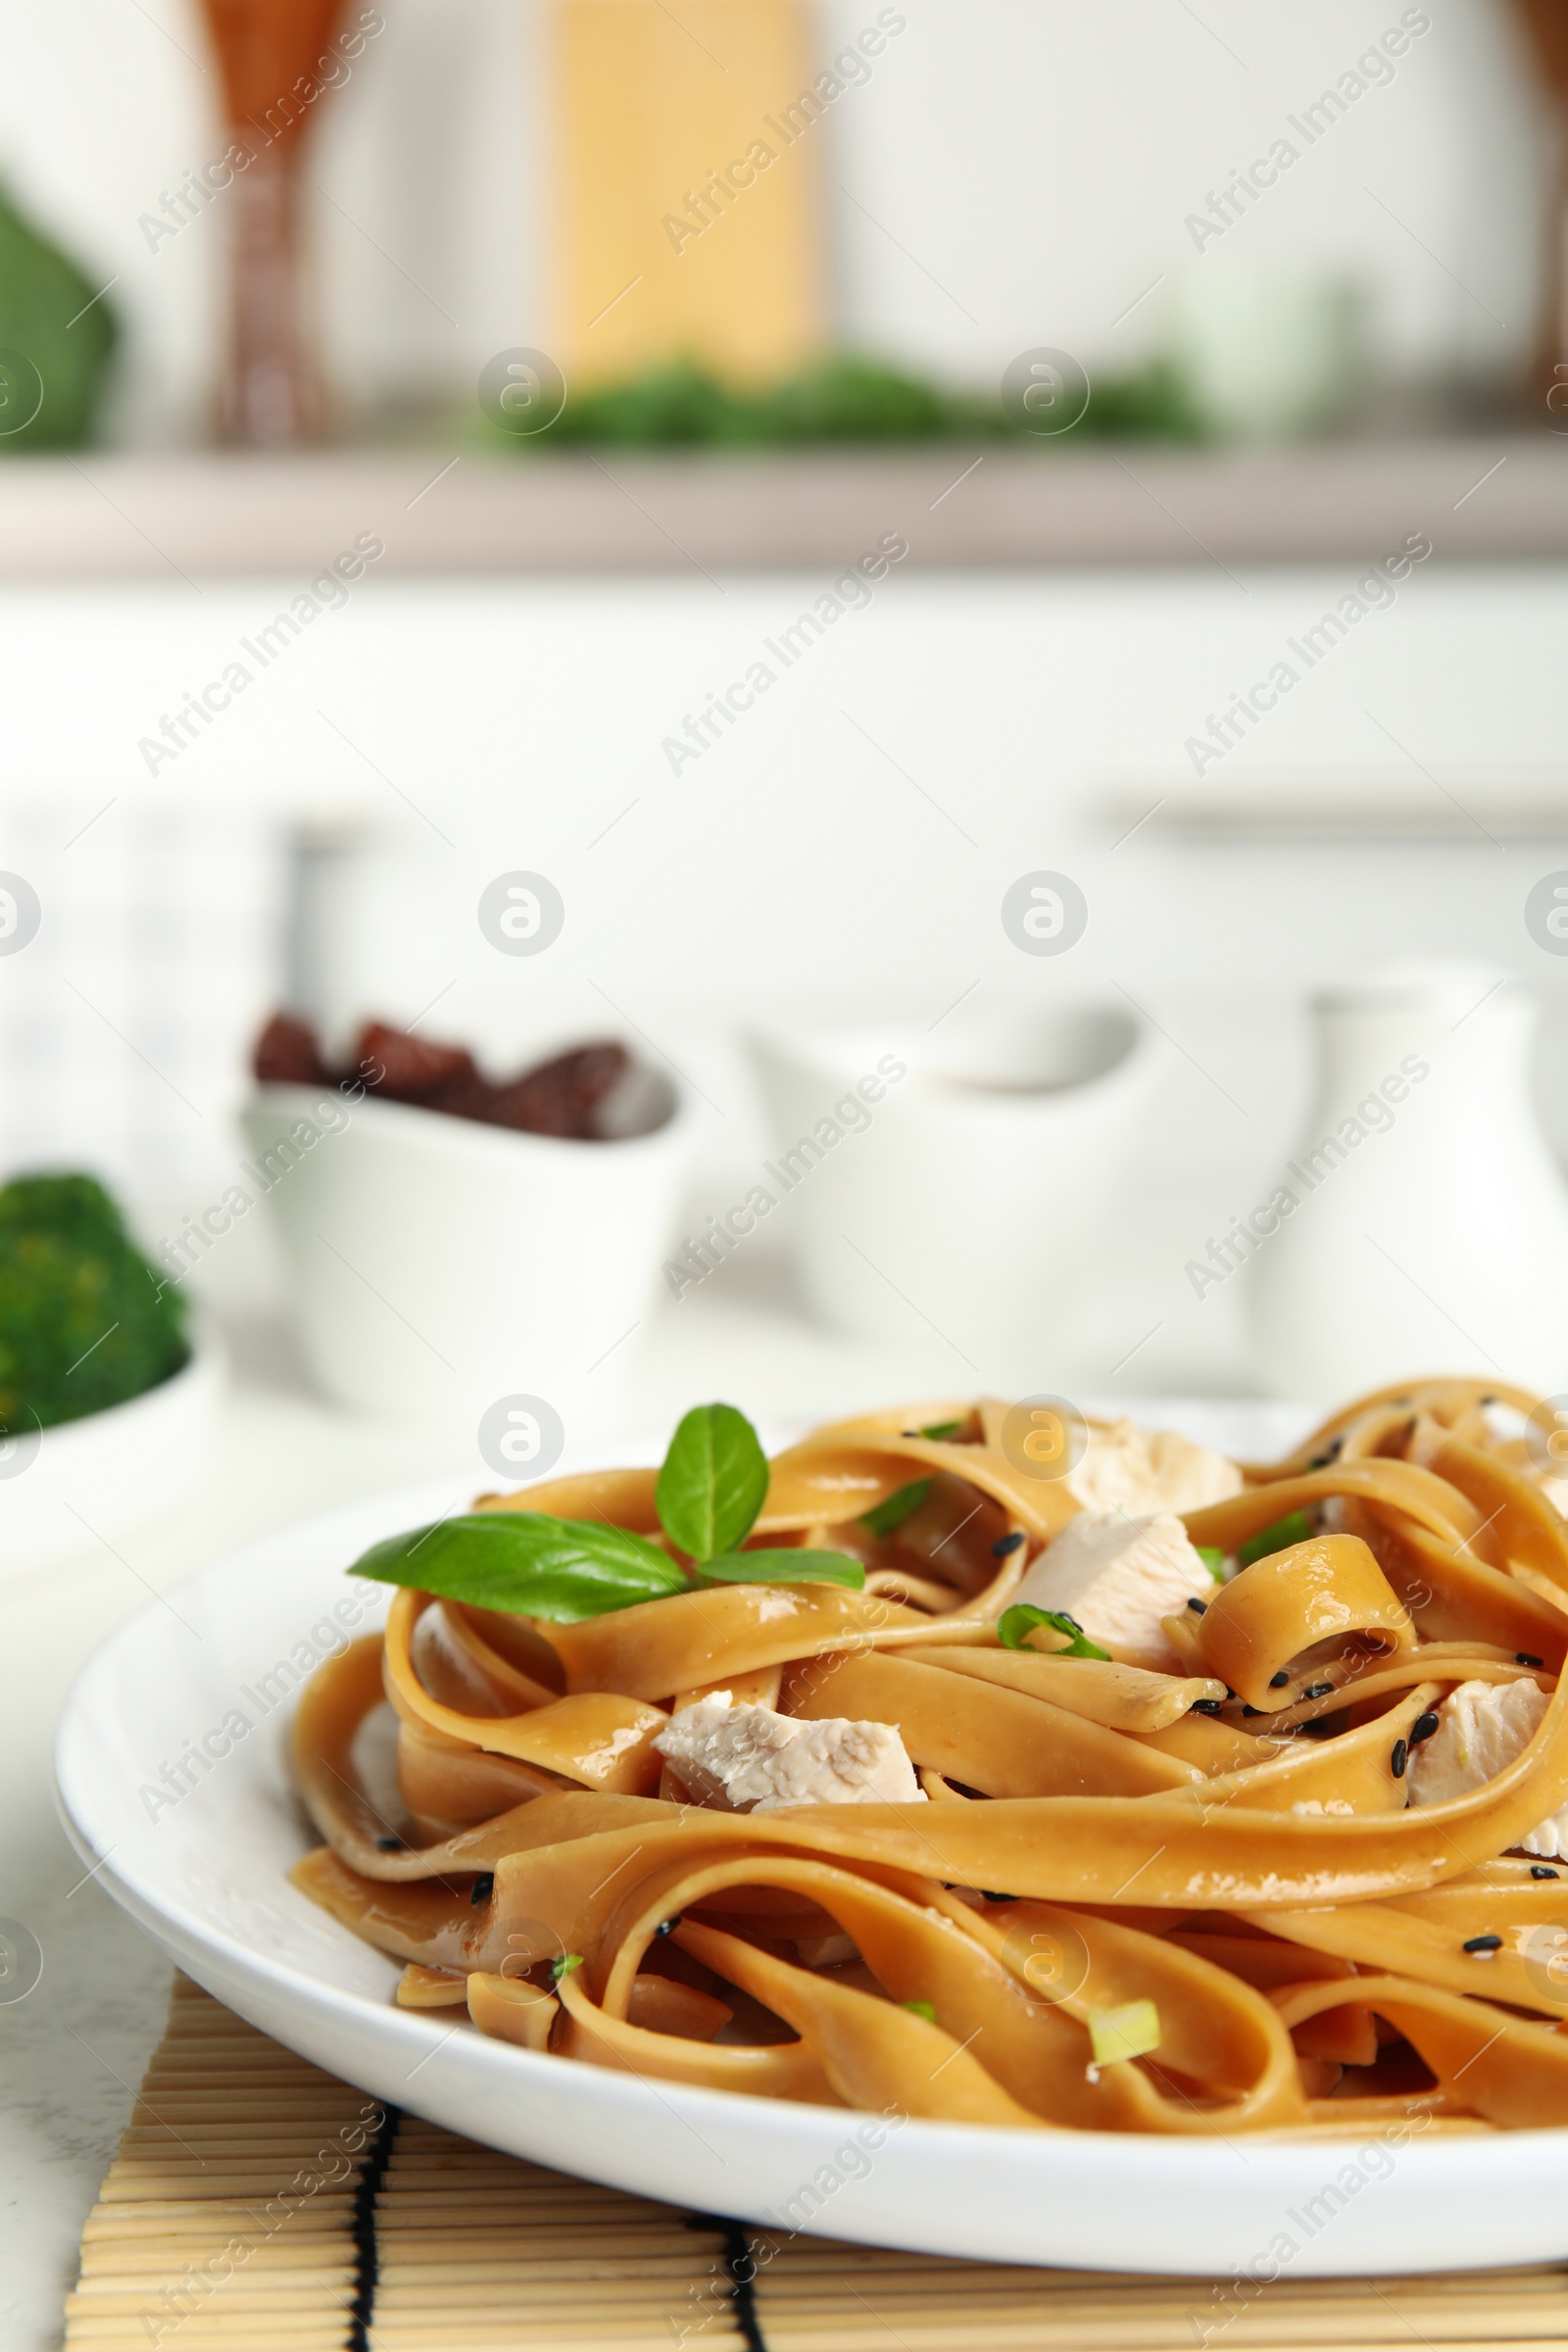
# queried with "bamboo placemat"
point(259, 2205)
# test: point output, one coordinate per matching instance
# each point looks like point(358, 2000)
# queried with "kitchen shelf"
point(109, 515)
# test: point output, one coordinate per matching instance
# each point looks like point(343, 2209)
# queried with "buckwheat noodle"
point(1095, 1834)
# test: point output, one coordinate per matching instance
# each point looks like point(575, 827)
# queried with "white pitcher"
point(1422, 1224)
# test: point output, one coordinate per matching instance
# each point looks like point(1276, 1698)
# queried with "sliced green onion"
point(899, 1505)
point(1019, 1622)
point(1295, 1527)
point(921, 2009)
point(1130, 2032)
point(1213, 1560)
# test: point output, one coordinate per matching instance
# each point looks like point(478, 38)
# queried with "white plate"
point(206, 1877)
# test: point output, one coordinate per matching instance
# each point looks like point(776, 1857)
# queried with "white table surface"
point(72, 2050)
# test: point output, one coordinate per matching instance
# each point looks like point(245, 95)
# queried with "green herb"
point(526, 1562)
point(902, 1504)
point(58, 334)
point(920, 2009)
point(710, 1489)
point(1021, 1620)
point(1295, 1527)
point(941, 1428)
point(846, 397)
point(783, 1567)
point(1213, 1560)
point(713, 1482)
point(563, 1966)
point(85, 1322)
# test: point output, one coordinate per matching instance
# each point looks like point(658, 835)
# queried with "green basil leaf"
point(713, 1482)
point(899, 1506)
point(1213, 1560)
point(783, 1567)
point(526, 1562)
point(1022, 1619)
point(1295, 1527)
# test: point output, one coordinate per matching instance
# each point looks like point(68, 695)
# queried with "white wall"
point(793, 866)
point(1020, 171)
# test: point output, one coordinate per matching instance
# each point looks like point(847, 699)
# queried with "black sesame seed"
point(1484, 1943)
point(1522, 1658)
point(1424, 1725)
point(483, 1888)
point(1251, 1710)
point(1005, 1543)
point(1539, 1870)
point(1200, 1609)
point(1276, 1682)
point(668, 1927)
point(1206, 1706)
point(909, 1433)
point(389, 1845)
point(997, 1899)
point(1397, 1761)
point(1317, 1690)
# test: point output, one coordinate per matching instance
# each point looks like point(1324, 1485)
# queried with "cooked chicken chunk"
point(1125, 1469)
point(755, 1760)
point(1480, 1728)
point(1118, 1576)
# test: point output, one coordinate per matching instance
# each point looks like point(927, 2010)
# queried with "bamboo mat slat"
point(259, 2205)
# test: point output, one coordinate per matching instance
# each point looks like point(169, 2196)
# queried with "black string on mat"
point(741, 2265)
point(362, 2226)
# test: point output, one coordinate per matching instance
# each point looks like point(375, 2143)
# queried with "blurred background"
point(572, 349)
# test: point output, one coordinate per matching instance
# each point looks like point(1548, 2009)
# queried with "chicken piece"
point(1125, 1469)
point(751, 1759)
point(1118, 1576)
point(1480, 1728)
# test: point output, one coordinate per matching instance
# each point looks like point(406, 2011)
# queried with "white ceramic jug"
point(1427, 1225)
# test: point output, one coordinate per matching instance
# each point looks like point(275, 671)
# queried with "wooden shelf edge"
point(104, 516)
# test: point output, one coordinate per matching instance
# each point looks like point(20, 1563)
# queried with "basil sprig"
point(783, 1567)
point(713, 1482)
point(527, 1563)
point(712, 1488)
point(1021, 1620)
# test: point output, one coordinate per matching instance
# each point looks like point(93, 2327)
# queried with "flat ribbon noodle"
point(1213, 1848)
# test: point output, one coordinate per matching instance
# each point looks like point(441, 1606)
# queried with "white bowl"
point(206, 1877)
point(437, 1264)
point(64, 1489)
point(974, 1192)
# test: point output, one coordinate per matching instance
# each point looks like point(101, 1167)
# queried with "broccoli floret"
point(85, 1322)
